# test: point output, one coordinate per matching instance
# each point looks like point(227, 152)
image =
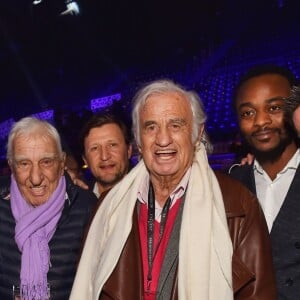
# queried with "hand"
point(247, 160)
point(76, 180)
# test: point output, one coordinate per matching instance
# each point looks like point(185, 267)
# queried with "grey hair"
point(293, 101)
point(161, 87)
point(29, 125)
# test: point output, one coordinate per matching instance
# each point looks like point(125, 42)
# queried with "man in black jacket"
point(42, 216)
point(274, 176)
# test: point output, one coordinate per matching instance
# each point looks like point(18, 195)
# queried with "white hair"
point(29, 125)
point(161, 87)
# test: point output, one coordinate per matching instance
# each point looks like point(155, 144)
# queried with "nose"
point(36, 175)
point(262, 118)
point(163, 137)
point(105, 153)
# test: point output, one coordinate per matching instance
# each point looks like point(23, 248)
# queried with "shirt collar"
point(96, 190)
point(177, 193)
point(292, 164)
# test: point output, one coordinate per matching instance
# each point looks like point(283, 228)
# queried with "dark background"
point(50, 61)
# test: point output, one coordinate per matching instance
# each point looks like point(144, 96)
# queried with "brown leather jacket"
point(253, 276)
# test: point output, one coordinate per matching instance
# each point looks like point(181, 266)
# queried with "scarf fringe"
point(39, 291)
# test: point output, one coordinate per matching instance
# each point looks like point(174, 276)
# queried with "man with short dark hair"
point(107, 149)
point(274, 176)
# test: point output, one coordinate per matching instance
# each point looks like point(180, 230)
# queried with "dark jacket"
point(253, 277)
point(91, 185)
point(285, 235)
point(64, 245)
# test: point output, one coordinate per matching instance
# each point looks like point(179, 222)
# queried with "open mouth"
point(107, 167)
point(38, 191)
point(165, 154)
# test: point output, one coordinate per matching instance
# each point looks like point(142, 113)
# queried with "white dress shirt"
point(271, 194)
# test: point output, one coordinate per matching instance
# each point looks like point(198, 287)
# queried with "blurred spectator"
point(293, 108)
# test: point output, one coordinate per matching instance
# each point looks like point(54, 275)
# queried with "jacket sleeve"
point(253, 274)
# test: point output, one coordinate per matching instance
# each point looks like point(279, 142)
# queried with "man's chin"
point(109, 180)
point(271, 154)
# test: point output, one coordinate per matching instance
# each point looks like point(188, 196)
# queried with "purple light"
point(45, 115)
point(100, 103)
point(5, 127)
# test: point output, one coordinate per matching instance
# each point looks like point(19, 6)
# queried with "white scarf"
point(205, 248)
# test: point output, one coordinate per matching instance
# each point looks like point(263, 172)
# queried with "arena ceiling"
point(50, 58)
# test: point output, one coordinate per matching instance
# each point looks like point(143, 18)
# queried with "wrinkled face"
point(36, 166)
point(259, 104)
point(107, 154)
point(166, 136)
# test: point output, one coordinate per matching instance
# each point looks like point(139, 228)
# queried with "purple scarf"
point(35, 227)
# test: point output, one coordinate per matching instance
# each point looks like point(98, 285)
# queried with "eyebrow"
point(174, 120)
point(150, 122)
point(47, 155)
point(276, 99)
point(178, 120)
point(245, 104)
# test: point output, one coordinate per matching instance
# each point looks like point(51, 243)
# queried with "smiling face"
point(166, 136)
point(259, 104)
point(36, 166)
point(107, 154)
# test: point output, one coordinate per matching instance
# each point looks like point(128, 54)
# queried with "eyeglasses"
point(44, 163)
